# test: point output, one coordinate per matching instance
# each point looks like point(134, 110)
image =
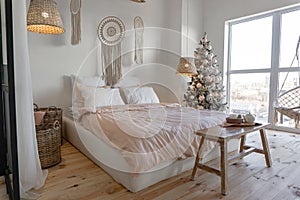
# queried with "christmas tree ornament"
point(208, 79)
point(201, 98)
point(216, 94)
point(216, 71)
point(200, 107)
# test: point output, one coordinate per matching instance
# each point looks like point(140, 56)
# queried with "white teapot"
point(249, 118)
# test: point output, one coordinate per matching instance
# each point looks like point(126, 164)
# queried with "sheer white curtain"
point(30, 172)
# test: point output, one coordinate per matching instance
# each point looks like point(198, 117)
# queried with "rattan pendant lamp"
point(139, 1)
point(43, 17)
point(186, 65)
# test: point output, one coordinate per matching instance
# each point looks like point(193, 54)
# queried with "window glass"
point(248, 94)
point(251, 44)
point(290, 32)
point(292, 81)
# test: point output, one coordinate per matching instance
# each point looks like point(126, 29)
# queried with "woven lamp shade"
point(139, 1)
point(187, 67)
point(43, 17)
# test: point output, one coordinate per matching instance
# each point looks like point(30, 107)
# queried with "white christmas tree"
point(206, 90)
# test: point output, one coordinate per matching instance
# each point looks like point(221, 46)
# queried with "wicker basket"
point(49, 142)
point(52, 114)
point(48, 134)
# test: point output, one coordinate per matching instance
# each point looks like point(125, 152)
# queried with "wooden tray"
point(225, 124)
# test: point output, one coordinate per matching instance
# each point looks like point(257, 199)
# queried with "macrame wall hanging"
point(75, 6)
point(139, 39)
point(111, 32)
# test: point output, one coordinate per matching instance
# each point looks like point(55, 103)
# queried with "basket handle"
point(53, 108)
point(36, 108)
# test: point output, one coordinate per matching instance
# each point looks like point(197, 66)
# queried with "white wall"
point(192, 26)
point(53, 56)
point(217, 12)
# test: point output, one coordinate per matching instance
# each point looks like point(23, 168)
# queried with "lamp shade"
point(187, 67)
point(43, 17)
point(139, 1)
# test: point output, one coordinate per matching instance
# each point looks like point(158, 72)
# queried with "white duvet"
point(149, 134)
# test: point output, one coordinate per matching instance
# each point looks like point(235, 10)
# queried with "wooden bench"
point(222, 135)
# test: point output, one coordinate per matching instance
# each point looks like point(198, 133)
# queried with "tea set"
point(247, 118)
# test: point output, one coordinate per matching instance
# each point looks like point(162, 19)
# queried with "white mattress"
point(107, 157)
point(102, 151)
point(98, 151)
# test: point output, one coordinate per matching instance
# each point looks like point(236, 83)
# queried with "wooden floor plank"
point(76, 177)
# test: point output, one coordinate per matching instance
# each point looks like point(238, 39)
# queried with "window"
point(260, 53)
point(289, 35)
point(251, 44)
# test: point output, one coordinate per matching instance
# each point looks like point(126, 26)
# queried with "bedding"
point(149, 134)
point(77, 83)
point(98, 97)
point(140, 95)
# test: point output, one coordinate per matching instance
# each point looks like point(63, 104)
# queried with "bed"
point(137, 142)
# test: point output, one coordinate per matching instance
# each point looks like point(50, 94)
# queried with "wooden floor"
point(76, 177)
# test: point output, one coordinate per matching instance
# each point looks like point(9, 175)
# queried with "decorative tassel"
point(111, 62)
point(75, 6)
point(139, 39)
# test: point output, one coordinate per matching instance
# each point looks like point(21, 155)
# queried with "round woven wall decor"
point(111, 30)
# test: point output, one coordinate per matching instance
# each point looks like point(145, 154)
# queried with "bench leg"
point(265, 147)
point(242, 143)
point(224, 167)
point(197, 158)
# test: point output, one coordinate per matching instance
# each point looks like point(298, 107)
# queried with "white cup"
point(233, 116)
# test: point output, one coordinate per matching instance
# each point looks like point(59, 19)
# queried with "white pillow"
point(97, 97)
point(79, 81)
point(140, 95)
point(92, 81)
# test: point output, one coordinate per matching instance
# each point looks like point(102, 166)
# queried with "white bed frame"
point(100, 152)
point(132, 181)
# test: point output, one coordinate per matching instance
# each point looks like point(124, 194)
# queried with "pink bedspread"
point(149, 134)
